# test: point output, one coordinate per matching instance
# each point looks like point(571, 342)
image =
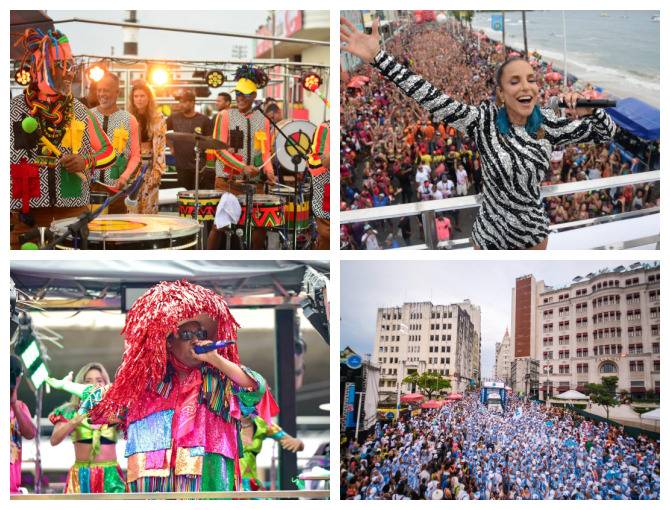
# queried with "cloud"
point(369, 285)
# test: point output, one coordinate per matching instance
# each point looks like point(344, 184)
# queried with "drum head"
point(301, 132)
point(203, 194)
point(135, 231)
point(260, 199)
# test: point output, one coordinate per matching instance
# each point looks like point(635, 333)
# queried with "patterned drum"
point(267, 211)
point(303, 207)
point(208, 200)
point(133, 232)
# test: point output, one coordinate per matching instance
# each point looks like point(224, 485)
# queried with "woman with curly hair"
point(152, 138)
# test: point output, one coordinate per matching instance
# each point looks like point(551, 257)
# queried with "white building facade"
point(421, 337)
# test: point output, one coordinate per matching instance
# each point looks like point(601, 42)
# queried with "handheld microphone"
point(131, 199)
point(30, 125)
point(219, 344)
point(555, 102)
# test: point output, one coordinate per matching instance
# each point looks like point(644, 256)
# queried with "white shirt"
point(445, 187)
point(422, 174)
point(370, 241)
point(461, 176)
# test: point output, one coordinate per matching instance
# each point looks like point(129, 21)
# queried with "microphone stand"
point(79, 227)
point(295, 159)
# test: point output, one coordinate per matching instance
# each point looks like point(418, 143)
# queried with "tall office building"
point(502, 368)
point(421, 337)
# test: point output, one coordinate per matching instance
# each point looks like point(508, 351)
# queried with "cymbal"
point(204, 142)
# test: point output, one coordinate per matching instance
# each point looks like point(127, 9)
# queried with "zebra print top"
point(511, 215)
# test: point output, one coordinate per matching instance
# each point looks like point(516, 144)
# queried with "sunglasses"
point(187, 335)
point(238, 94)
point(67, 66)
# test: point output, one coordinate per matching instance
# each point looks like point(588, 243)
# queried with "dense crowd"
point(465, 451)
point(391, 153)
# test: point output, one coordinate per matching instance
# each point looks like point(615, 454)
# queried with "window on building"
point(636, 366)
point(608, 368)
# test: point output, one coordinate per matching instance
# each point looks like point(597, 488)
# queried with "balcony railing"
point(621, 231)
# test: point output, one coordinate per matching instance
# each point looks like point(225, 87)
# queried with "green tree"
point(604, 394)
point(412, 379)
point(429, 383)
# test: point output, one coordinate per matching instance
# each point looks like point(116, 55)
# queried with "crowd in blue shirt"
point(465, 451)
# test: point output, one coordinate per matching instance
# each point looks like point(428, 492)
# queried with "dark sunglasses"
point(188, 335)
point(238, 93)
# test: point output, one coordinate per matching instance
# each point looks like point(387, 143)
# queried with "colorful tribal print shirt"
point(37, 178)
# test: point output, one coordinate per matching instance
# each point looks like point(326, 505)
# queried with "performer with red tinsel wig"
point(181, 410)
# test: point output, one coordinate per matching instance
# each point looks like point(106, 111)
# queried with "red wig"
point(155, 315)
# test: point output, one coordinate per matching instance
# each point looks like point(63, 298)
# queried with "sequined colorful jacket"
point(172, 427)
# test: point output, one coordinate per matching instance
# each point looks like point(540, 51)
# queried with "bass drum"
point(208, 200)
point(133, 232)
point(301, 132)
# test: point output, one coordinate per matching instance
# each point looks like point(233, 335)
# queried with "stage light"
point(22, 76)
point(311, 81)
point(96, 73)
point(29, 351)
point(215, 78)
point(159, 76)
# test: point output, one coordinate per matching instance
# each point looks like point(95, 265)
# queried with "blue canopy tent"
point(638, 118)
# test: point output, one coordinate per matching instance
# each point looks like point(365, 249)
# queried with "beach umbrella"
point(355, 84)
point(454, 396)
point(361, 78)
point(652, 415)
point(411, 398)
point(572, 395)
point(431, 404)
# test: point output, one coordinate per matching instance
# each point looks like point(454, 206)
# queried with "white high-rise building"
point(421, 337)
point(502, 368)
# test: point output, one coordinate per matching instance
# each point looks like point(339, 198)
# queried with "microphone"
point(555, 103)
point(219, 344)
point(131, 198)
point(30, 125)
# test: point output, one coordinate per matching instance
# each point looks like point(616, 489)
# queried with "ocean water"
point(616, 50)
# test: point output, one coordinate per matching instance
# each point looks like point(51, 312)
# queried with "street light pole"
point(397, 403)
point(358, 414)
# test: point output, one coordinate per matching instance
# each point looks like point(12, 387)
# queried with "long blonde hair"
point(81, 375)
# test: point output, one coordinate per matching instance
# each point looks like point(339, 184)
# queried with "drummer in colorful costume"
point(319, 164)
point(181, 410)
point(96, 469)
point(55, 141)
point(248, 136)
point(122, 128)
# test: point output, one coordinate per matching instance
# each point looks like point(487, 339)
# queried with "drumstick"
point(266, 161)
